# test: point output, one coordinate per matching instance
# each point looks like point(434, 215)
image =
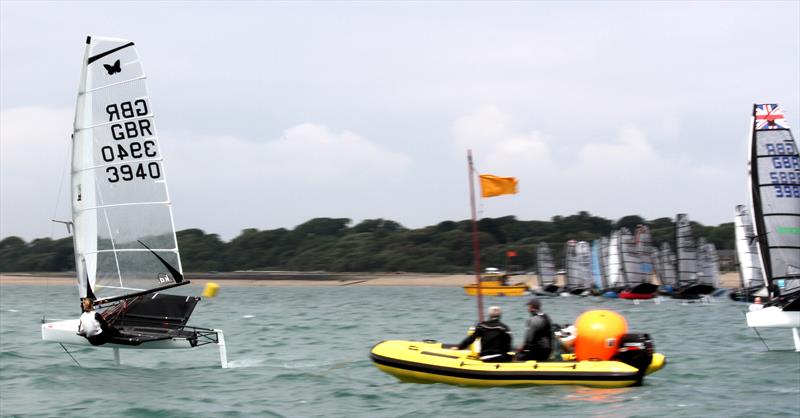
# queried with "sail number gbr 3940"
point(135, 141)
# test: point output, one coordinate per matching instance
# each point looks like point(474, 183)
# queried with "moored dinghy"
point(126, 251)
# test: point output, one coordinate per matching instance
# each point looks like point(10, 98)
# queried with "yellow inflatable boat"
point(433, 362)
point(492, 288)
point(495, 283)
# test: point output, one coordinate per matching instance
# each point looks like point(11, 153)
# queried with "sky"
point(273, 113)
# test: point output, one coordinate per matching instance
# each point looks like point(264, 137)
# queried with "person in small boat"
point(538, 344)
point(756, 305)
point(495, 338)
point(93, 326)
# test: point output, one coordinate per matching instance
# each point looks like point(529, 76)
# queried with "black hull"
point(744, 295)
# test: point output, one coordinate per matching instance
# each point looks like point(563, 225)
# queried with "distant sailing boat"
point(545, 269)
point(666, 268)
point(775, 197)
point(598, 272)
point(637, 261)
point(707, 263)
point(126, 251)
point(615, 281)
point(578, 263)
point(689, 285)
point(750, 275)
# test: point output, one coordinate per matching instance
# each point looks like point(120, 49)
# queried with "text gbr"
point(128, 110)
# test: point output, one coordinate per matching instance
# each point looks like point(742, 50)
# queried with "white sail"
point(584, 253)
point(708, 263)
point(631, 264)
point(746, 251)
point(124, 233)
point(686, 252)
point(614, 265)
point(545, 266)
point(604, 248)
point(646, 252)
point(666, 260)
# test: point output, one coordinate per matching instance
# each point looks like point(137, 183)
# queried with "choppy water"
point(303, 352)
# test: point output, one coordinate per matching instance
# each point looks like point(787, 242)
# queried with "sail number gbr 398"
point(132, 143)
point(786, 169)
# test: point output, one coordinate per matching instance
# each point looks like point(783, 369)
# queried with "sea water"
point(304, 352)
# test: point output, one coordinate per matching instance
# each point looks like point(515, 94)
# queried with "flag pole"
point(476, 250)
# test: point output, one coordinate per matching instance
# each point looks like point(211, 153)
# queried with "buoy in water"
point(599, 332)
point(210, 290)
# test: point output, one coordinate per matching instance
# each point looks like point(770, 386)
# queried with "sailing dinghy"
point(637, 264)
point(775, 198)
point(750, 276)
point(546, 271)
point(689, 284)
point(126, 251)
point(578, 264)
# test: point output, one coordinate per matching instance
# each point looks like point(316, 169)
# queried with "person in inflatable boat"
point(538, 344)
point(495, 338)
point(93, 326)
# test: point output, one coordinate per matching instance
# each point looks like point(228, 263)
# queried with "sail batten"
point(163, 202)
point(114, 84)
point(159, 159)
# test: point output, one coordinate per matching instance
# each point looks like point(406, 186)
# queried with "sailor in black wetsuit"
point(495, 338)
point(538, 343)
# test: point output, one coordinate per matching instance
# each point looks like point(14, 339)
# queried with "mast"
point(476, 250)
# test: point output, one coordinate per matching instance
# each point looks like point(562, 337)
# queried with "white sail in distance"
point(686, 252)
point(746, 249)
point(614, 265)
point(545, 266)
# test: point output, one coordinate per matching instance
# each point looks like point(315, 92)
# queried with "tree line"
point(373, 245)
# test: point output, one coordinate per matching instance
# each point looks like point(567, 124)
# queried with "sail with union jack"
point(769, 116)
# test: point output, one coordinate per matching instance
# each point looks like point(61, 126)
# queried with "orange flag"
point(495, 186)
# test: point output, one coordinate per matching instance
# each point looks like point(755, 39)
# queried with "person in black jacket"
point(538, 344)
point(495, 338)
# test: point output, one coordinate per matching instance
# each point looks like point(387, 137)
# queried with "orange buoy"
point(599, 333)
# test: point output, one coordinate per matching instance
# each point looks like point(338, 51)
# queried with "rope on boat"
point(69, 354)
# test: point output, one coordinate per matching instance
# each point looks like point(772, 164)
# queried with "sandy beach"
point(728, 279)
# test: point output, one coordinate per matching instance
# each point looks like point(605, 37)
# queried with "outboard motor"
point(636, 349)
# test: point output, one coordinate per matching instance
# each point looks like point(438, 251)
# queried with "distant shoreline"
point(310, 279)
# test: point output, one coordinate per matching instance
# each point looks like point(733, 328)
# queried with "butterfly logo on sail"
point(113, 69)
